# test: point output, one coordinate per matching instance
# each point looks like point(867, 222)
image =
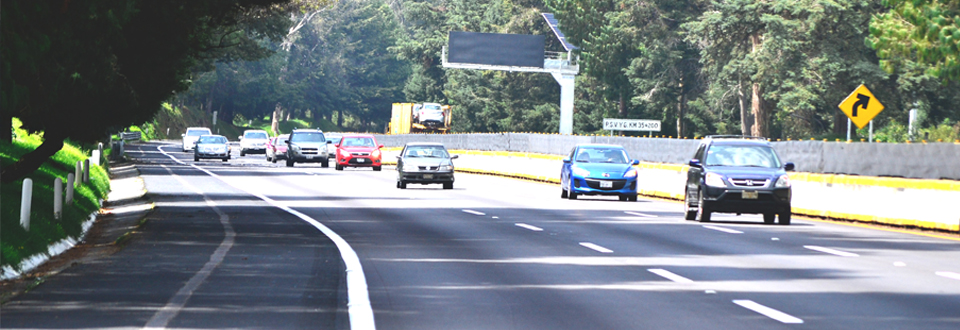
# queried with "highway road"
point(239, 245)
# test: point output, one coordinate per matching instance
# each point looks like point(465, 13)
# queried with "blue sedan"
point(599, 169)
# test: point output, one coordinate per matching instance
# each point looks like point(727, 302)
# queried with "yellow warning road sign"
point(861, 106)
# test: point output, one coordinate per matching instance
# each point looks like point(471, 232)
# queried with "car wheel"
point(632, 198)
point(691, 212)
point(572, 195)
point(289, 162)
point(242, 153)
point(196, 159)
point(274, 160)
point(768, 218)
point(703, 213)
point(339, 167)
point(785, 218)
point(403, 185)
point(622, 198)
point(376, 168)
point(563, 193)
point(225, 159)
point(448, 185)
point(325, 163)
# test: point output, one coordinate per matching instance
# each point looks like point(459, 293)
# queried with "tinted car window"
point(307, 137)
point(602, 155)
point(334, 140)
point(197, 132)
point(358, 142)
point(255, 135)
point(212, 139)
point(426, 151)
point(749, 156)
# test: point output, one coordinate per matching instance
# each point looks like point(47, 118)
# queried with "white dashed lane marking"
point(768, 312)
point(533, 228)
point(474, 212)
point(670, 276)
point(725, 230)
point(949, 275)
point(596, 247)
point(831, 251)
point(641, 214)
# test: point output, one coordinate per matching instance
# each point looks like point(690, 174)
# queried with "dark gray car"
point(425, 163)
point(307, 146)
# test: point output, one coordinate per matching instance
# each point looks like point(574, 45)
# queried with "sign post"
point(860, 107)
point(614, 124)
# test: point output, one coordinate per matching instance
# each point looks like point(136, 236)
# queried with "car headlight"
point(376, 153)
point(410, 168)
point(715, 180)
point(295, 148)
point(632, 173)
point(783, 182)
point(581, 172)
point(446, 168)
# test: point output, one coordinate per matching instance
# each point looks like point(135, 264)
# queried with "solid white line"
point(831, 251)
point(670, 276)
point(474, 212)
point(596, 247)
point(725, 230)
point(358, 299)
point(768, 312)
point(949, 275)
point(173, 307)
point(641, 214)
point(533, 228)
point(900, 264)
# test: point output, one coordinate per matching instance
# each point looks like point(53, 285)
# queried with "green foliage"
point(919, 36)
point(16, 244)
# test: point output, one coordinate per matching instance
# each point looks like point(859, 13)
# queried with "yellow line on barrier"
point(874, 226)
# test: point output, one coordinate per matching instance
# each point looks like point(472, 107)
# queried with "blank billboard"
point(496, 49)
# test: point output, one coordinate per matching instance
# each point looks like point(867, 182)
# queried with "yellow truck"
point(407, 118)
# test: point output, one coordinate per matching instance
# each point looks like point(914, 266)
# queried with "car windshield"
point(426, 151)
point(197, 132)
point(213, 139)
point(602, 155)
point(254, 135)
point(744, 156)
point(307, 137)
point(358, 142)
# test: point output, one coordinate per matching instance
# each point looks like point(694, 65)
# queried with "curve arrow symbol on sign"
point(862, 101)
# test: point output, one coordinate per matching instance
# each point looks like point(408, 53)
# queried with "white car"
point(334, 140)
point(191, 136)
point(253, 141)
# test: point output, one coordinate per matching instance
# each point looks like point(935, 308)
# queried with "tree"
point(922, 35)
point(80, 70)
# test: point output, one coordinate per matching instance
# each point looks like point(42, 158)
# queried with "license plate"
point(309, 156)
point(428, 176)
point(360, 160)
point(747, 194)
point(606, 184)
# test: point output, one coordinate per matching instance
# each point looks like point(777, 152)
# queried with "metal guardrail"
point(130, 136)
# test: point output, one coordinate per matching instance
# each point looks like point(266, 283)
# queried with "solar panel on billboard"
point(552, 22)
point(520, 50)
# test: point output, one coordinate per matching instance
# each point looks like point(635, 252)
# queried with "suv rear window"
point(307, 137)
point(197, 132)
point(255, 135)
point(742, 155)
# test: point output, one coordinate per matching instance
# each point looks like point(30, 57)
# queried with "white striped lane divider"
point(595, 247)
point(768, 312)
point(831, 251)
point(533, 228)
point(670, 276)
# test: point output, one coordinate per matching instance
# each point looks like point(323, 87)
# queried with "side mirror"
point(329, 142)
point(695, 163)
point(338, 145)
point(566, 160)
point(635, 162)
point(286, 141)
point(240, 137)
point(380, 147)
point(789, 167)
point(454, 156)
point(398, 157)
point(183, 135)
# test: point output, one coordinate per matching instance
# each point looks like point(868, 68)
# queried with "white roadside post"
point(25, 200)
point(78, 172)
point(71, 179)
point(86, 170)
point(57, 198)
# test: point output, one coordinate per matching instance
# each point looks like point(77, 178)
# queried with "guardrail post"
point(25, 200)
point(71, 179)
point(57, 198)
point(86, 170)
point(96, 154)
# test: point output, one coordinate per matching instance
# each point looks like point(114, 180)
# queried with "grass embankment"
point(17, 244)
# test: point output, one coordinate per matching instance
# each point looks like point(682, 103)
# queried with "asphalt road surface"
point(223, 252)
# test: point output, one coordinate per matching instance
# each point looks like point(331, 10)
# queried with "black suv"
point(737, 174)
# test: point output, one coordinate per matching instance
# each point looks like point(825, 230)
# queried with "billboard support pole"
point(567, 84)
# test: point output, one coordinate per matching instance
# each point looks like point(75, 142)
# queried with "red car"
point(276, 149)
point(358, 150)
